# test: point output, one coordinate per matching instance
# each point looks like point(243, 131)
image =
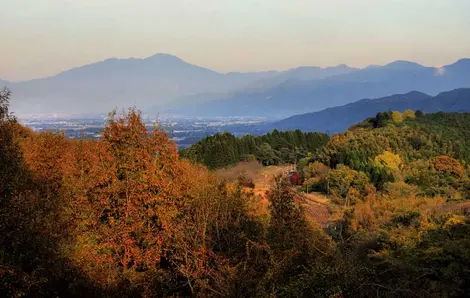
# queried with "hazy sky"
point(43, 37)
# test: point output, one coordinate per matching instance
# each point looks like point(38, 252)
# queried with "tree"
point(448, 165)
point(4, 105)
point(343, 177)
point(133, 196)
point(316, 175)
point(266, 155)
point(294, 243)
point(316, 170)
point(409, 114)
point(381, 119)
point(388, 160)
point(12, 170)
point(397, 117)
point(419, 114)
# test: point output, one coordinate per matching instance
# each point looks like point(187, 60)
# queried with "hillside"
point(412, 136)
point(340, 118)
point(297, 96)
point(402, 181)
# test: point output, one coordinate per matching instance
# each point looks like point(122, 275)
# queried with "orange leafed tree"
point(139, 210)
point(129, 180)
point(449, 165)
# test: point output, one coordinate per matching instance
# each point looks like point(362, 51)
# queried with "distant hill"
point(298, 96)
point(340, 118)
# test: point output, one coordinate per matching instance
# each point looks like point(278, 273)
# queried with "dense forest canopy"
point(403, 182)
point(126, 216)
point(416, 142)
point(277, 147)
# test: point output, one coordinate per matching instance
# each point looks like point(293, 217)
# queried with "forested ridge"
point(277, 147)
point(457, 100)
point(402, 181)
point(127, 216)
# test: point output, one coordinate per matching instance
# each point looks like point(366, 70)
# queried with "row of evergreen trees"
point(277, 147)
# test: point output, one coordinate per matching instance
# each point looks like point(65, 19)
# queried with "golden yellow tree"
point(397, 117)
point(389, 160)
point(409, 114)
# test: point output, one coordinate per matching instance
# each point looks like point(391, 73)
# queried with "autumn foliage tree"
point(122, 215)
point(10, 154)
point(132, 195)
point(145, 218)
point(449, 165)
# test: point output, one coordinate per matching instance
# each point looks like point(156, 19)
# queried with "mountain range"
point(338, 119)
point(161, 81)
point(122, 82)
point(166, 84)
point(300, 96)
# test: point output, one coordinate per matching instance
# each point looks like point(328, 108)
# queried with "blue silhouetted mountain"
point(122, 82)
point(338, 119)
point(158, 81)
point(167, 84)
point(301, 73)
point(300, 96)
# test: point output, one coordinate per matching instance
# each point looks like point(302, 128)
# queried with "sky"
point(44, 37)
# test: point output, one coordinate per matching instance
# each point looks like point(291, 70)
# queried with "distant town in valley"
point(184, 132)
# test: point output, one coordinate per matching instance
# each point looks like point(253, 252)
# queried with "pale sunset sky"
point(43, 37)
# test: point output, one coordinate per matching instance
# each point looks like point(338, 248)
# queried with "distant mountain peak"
point(403, 64)
point(164, 57)
point(416, 93)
